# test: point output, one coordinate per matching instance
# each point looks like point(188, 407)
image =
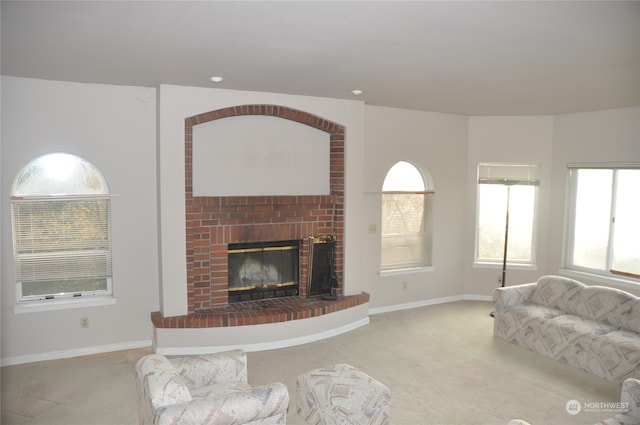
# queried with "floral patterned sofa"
point(206, 390)
point(593, 328)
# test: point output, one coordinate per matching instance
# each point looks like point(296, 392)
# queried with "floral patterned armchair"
point(206, 390)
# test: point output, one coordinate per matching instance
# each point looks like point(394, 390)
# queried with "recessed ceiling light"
point(356, 92)
point(217, 79)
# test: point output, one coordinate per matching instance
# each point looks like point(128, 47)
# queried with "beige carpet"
point(441, 362)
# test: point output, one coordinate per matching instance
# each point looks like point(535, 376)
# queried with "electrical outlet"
point(372, 228)
point(404, 285)
point(84, 322)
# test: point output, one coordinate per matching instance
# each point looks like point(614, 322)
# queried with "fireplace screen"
point(263, 270)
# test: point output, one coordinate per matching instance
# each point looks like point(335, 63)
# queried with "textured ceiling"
point(472, 58)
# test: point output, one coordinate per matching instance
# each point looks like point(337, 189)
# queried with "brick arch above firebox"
point(213, 222)
point(284, 112)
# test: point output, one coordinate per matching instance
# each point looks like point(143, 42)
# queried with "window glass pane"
point(492, 216)
point(592, 218)
point(521, 212)
point(59, 174)
point(626, 238)
point(491, 220)
point(403, 176)
point(55, 287)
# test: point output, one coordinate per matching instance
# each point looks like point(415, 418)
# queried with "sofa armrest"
point(512, 295)
point(210, 369)
point(631, 394)
point(158, 382)
point(235, 408)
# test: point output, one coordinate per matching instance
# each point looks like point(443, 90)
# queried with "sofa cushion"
point(611, 363)
point(609, 305)
point(558, 292)
point(563, 331)
point(572, 327)
point(521, 324)
point(524, 312)
point(619, 346)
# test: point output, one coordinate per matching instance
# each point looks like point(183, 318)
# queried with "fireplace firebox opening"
point(260, 270)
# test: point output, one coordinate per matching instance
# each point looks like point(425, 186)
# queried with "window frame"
point(606, 275)
point(532, 180)
point(74, 244)
point(425, 236)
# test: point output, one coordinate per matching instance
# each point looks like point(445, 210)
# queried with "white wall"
point(516, 140)
point(437, 145)
point(114, 127)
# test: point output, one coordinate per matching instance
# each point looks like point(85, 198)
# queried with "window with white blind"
point(506, 211)
point(604, 225)
point(406, 233)
point(61, 218)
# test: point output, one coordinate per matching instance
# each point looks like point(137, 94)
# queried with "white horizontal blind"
point(605, 165)
point(62, 240)
point(403, 230)
point(403, 251)
point(508, 174)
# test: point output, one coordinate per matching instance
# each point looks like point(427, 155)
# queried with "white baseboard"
point(478, 298)
point(432, 301)
point(75, 352)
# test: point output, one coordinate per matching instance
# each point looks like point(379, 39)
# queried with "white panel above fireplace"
point(259, 155)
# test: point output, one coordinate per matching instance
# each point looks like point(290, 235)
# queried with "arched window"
point(406, 234)
point(61, 218)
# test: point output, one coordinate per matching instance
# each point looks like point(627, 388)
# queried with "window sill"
point(63, 304)
point(510, 266)
point(620, 282)
point(408, 270)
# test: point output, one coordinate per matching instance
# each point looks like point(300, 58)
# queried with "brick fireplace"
point(215, 222)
